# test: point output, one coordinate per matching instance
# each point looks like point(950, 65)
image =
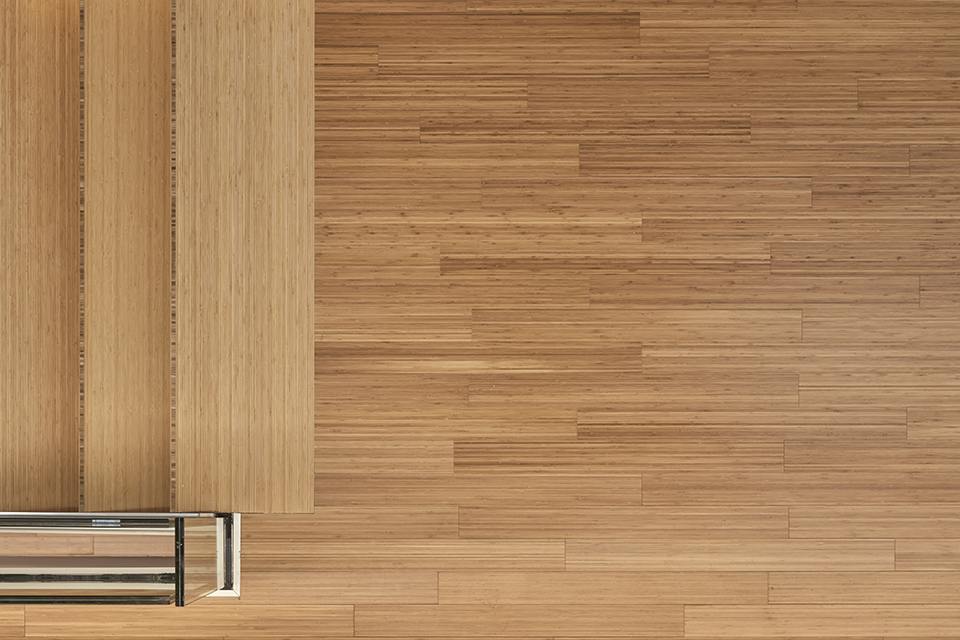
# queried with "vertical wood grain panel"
point(245, 255)
point(39, 255)
point(127, 255)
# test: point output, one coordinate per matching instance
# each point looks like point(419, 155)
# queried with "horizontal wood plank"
point(875, 521)
point(865, 587)
point(312, 588)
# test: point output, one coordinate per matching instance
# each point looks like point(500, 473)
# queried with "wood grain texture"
point(340, 587)
point(244, 251)
point(12, 621)
point(127, 256)
point(39, 256)
point(867, 587)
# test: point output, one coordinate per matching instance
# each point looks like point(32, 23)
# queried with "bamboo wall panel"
point(867, 587)
point(127, 256)
point(244, 251)
point(39, 255)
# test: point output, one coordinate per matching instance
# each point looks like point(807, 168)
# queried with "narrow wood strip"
point(933, 423)
point(810, 457)
point(384, 200)
point(379, 29)
point(240, 621)
point(939, 291)
point(317, 588)
point(598, 58)
point(876, 324)
point(428, 554)
point(826, 488)
point(483, 489)
point(602, 587)
point(884, 255)
point(746, 555)
point(753, 160)
point(355, 523)
point(603, 458)
point(722, 621)
point(934, 159)
point(423, 92)
point(380, 456)
point(865, 587)
point(941, 554)
point(648, 7)
point(875, 521)
point(868, 128)
point(618, 522)
point(45, 544)
point(907, 94)
point(12, 621)
point(519, 620)
point(834, 60)
point(649, 326)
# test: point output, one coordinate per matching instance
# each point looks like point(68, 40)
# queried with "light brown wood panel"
point(899, 199)
point(930, 455)
point(202, 619)
point(371, 323)
point(127, 255)
point(382, 555)
point(394, 6)
point(602, 458)
point(939, 291)
point(468, 160)
point(933, 423)
point(244, 256)
point(404, 390)
point(646, 257)
point(618, 522)
point(643, 426)
point(737, 291)
point(598, 587)
point(697, 392)
point(39, 256)
point(398, 201)
point(45, 544)
point(727, 555)
point(905, 94)
point(880, 324)
point(597, 127)
point(867, 128)
point(526, 59)
point(388, 93)
point(743, 160)
point(935, 554)
point(479, 489)
point(382, 456)
point(834, 60)
point(12, 621)
point(935, 160)
point(865, 587)
point(448, 422)
point(387, 125)
point(886, 396)
point(860, 257)
point(519, 620)
point(612, 200)
point(312, 588)
point(357, 523)
point(671, 95)
point(725, 621)
point(648, 7)
point(875, 521)
point(829, 488)
point(647, 326)
point(368, 29)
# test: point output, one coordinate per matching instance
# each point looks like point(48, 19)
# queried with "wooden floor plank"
point(905, 94)
point(722, 621)
point(379, 456)
point(415, 555)
point(939, 291)
point(649, 326)
point(875, 521)
point(479, 490)
point(197, 621)
point(423, 92)
point(667, 9)
point(617, 522)
point(876, 324)
point(356, 523)
point(600, 58)
point(747, 291)
point(865, 587)
point(843, 257)
point(12, 621)
point(934, 554)
point(862, 129)
point(743, 555)
point(840, 488)
point(379, 29)
point(812, 457)
point(935, 160)
point(313, 588)
point(365, 160)
point(643, 426)
point(519, 620)
point(751, 160)
point(933, 423)
point(604, 459)
point(601, 588)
